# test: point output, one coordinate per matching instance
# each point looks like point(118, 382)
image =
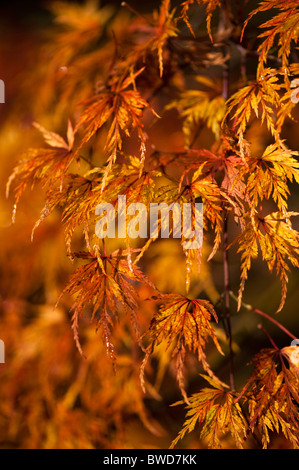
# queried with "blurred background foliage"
point(50, 397)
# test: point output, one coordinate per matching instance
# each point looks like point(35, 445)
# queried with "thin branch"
point(226, 300)
point(263, 314)
point(85, 159)
point(260, 327)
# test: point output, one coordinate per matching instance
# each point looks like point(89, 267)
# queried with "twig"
point(87, 161)
point(226, 300)
point(263, 314)
point(260, 327)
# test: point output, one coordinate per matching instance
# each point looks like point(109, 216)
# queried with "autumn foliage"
point(124, 342)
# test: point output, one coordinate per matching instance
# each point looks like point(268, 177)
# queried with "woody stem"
point(227, 300)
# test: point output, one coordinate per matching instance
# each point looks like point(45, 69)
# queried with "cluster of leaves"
point(268, 403)
point(129, 64)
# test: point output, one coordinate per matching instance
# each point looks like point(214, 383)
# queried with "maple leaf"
point(81, 195)
point(78, 200)
point(45, 165)
point(224, 168)
point(292, 354)
point(269, 174)
point(152, 38)
point(284, 24)
point(104, 284)
point(212, 199)
point(182, 323)
point(278, 242)
point(229, 160)
point(260, 97)
point(80, 26)
point(130, 182)
point(272, 395)
point(196, 106)
point(290, 98)
point(201, 188)
point(122, 109)
point(165, 28)
point(217, 412)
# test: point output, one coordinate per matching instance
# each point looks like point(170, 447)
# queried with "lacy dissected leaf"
point(165, 27)
point(225, 169)
point(229, 162)
point(218, 413)
point(283, 24)
point(126, 184)
point(130, 182)
point(205, 190)
point(78, 200)
point(270, 173)
point(151, 41)
point(212, 198)
point(210, 5)
point(80, 25)
point(223, 165)
point(292, 354)
point(199, 106)
point(272, 397)
point(166, 196)
point(182, 324)
point(122, 110)
point(290, 97)
point(45, 165)
point(81, 195)
point(278, 242)
point(203, 187)
point(105, 284)
point(70, 52)
point(261, 98)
